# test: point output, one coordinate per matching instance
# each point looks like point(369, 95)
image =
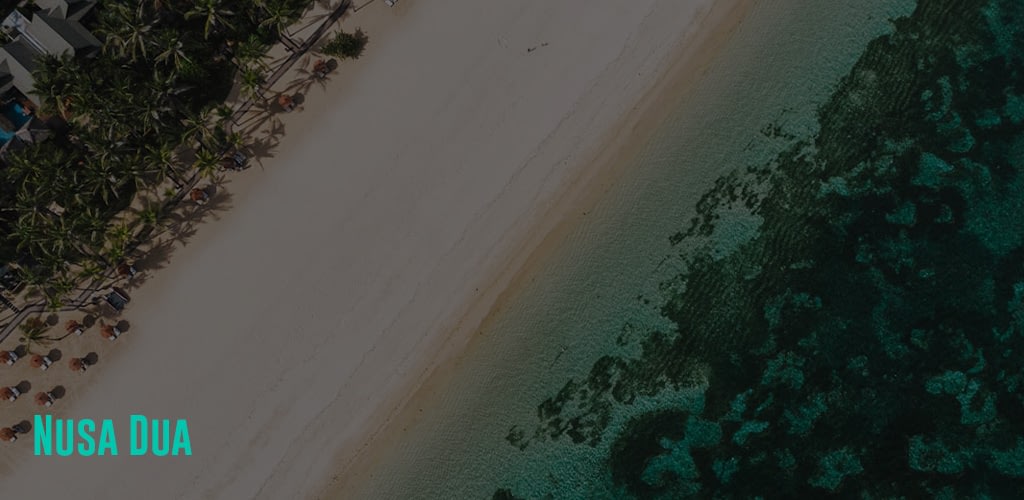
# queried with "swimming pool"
point(17, 114)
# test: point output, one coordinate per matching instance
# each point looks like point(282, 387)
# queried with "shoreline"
point(690, 61)
point(234, 461)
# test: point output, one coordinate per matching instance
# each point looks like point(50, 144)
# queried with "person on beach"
point(75, 327)
point(110, 332)
point(10, 393)
point(199, 196)
point(45, 399)
point(77, 365)
point(320, 68)
point(127, 270)
point(41, 362)
point(286, 102)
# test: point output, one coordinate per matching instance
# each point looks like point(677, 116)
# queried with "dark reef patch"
point(868, 341)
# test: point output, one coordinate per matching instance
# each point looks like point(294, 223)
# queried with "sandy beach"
point(329, 281)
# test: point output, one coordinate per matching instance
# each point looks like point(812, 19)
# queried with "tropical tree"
point(90, 271)
point(172, 50)
point(347, 45)
point(251, 83)
point(33, 333)
point(54, 82)
point(161, 156)
point(214, 14)
point(118, 237)
point(251, 51)
point(60, 287)
point(207, 163)
point(90, 227)
point(277, 16)
point(196, 128)
point(126, 30)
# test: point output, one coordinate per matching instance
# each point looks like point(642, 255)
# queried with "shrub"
point(347, 45)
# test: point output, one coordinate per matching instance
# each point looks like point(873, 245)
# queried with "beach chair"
point(117, 299)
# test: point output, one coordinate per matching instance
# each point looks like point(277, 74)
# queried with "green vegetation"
point(155, 90)
point(33, 333)
point(347, 45)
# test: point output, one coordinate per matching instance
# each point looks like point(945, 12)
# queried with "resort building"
point(55, 28)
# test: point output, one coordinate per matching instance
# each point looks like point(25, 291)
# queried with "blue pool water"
point(16, 114)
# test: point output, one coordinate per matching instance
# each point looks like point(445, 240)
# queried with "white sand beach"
point(329, 281)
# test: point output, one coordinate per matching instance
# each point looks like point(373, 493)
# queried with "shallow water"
point(809, 283)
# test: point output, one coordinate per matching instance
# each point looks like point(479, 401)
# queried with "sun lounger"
point(117, 299)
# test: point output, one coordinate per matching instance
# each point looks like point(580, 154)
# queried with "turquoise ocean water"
point(811, 282)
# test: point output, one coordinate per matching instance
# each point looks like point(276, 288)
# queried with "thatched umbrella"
point(8, 434)
point(9, 393)
point(110, 332)
point(8, 357)
point(41, 362)
point(75, 327)
point(77, 365)
point(44, 399)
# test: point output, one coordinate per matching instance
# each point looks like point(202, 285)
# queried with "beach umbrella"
point(8, 434)
point(41, 362)
point(8, 357)
point(44, 399)
point(75, 327)
point(109, 332)
point(77, 365)
point(10, 393)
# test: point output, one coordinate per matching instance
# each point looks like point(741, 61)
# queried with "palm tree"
point(277, 16)
point(213, 13)
point(90, 271)
point(173, 50)
point(251, 51)
point(161, 155)
point(196, 128)
point(33, 333)
point(119, 237)
point(207, 163)
point(251, 83)
point(54, 81)
point(126, 31)
point(59, 289)
point(90, 227)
